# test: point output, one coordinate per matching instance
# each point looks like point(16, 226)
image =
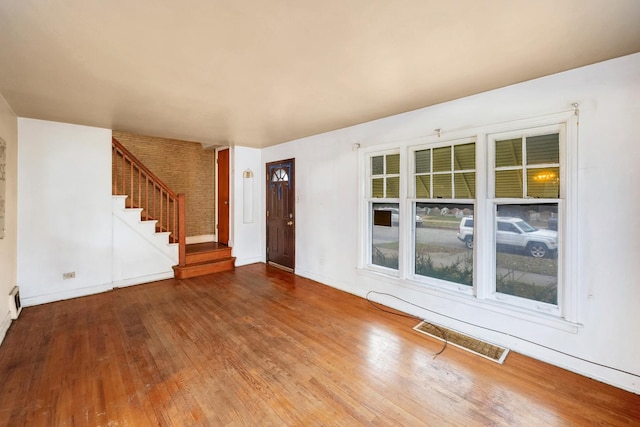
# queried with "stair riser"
point(187, 272)
point(208, 256)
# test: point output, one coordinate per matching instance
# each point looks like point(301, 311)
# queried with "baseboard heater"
point(15, 306)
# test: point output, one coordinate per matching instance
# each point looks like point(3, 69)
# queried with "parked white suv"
point(515, 232)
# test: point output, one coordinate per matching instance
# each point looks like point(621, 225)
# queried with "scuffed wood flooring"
point(258, 347)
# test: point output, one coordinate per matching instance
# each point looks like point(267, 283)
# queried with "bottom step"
point(203, 268)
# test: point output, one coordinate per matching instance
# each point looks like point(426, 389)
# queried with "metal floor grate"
point(465, 342)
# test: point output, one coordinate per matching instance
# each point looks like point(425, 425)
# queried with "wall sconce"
point(247, 196)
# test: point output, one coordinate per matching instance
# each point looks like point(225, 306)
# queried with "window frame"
point(370, 201)
point(494, 202)
point(413, 200)
point(566, 314)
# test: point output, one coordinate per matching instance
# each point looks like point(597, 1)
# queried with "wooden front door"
point(281, 230)
point(223, 196)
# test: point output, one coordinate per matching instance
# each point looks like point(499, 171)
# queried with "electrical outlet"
point(70, 275)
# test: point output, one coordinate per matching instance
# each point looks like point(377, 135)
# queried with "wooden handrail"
point(145, 190)
point(152, 177)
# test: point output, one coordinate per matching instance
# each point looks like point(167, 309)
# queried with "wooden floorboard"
point(260, 346)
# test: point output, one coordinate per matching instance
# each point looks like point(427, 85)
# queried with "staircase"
point(152, 203)
point(140, 254)
point(205, 258)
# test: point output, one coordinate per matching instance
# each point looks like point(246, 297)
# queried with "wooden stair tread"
point(204, 267)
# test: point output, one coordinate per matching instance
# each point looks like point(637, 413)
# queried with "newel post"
point(182, 231)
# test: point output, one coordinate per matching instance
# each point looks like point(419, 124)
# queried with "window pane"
point(526, 251)
point(385, 238)
point(393, 164)
point(543, 149)
point(377, 187)
point(442, 186)
point(465, 185)
point(377, 165)
point(423, 161)
point(280, 174)
point(509, 183)
point(442, 159)
point(444, 242)
point(464, 157)
point(393, 187)
point(543, 183)
point(509, 152)
point(423, 184)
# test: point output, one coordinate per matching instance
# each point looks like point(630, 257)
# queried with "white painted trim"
point(69, 294)
point(326, 281)
point(204, 238)
point(247, 261)
point(92, 290)
point(4, 326)
point(143, 279)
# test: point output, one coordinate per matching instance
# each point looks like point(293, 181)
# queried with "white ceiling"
point(261, 72)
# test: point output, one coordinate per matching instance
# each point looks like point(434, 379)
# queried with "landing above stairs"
point(205, 258)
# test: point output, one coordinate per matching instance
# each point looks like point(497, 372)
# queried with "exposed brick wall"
point(185, 167)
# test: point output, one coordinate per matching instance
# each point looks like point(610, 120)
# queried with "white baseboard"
point(91, 290)
point(247, 261)
point(205, 238)
point(4, 326)
point(28, 301)
point(143, 279)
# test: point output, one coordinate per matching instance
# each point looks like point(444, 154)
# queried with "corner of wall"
point(4, 326)
point(8, 244)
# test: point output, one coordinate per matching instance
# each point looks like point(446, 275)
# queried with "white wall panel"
point(64, 206)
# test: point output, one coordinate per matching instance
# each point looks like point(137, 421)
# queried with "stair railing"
point(147, 191)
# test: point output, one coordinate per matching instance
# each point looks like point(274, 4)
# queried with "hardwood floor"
point(259, 346)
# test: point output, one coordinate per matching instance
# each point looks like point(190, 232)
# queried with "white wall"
point(64, 206)
point(607, 263)
point(247, 227)
point(140, 255)
point(8, 245)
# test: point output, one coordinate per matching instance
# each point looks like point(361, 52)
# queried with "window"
point(280, 175)
point(528, 167)
point(385, 236)
point(384, 210)
point(385, 176)
point(443, 247)
point(444, 189)
point(446, 172)
point(483, 217)
point(527, 183)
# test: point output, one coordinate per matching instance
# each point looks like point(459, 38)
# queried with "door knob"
point(289, 222)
